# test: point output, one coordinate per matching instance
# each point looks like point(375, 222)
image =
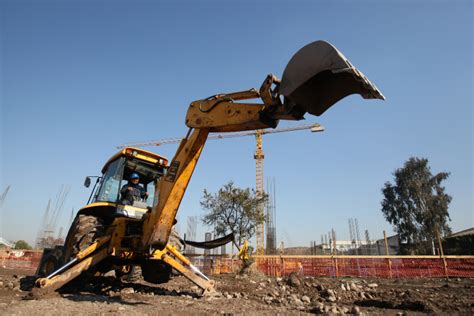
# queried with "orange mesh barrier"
point(354, 266)
point(20, 259)
point(322, 266)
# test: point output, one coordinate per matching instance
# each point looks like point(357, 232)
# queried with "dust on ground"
point(243, 294)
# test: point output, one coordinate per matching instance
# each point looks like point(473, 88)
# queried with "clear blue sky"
point(81, 77)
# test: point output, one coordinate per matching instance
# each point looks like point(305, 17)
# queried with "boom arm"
point(316, 77)
point(217, 114)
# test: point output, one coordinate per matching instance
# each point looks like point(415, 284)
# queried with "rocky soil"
point(237, 294)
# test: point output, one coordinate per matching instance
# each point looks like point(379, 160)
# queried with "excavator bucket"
point(318, 76)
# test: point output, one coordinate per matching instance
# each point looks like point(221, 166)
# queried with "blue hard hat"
point(134, 176)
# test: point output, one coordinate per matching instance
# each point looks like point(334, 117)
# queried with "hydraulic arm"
point(315, 78)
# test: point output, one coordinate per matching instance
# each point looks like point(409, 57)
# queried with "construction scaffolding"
point(2, 199)
point(46, 237)
point(191, 227)
point(270, 218)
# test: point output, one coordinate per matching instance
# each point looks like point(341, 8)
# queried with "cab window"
point(110, 185)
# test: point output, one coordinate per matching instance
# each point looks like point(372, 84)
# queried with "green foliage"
point(235, 210)
point(21, 244)
point(416, 205)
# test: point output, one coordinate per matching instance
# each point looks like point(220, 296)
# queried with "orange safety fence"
point(322, 266)
point(369, 266)
point(20, 259)
point(353, 266)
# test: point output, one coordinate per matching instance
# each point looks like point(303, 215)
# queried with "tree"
point(417, 205)
point(21, 244)
point(235, 210)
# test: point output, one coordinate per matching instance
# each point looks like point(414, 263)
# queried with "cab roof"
point(139, 154)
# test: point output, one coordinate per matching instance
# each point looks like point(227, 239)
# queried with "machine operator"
point(133, 191)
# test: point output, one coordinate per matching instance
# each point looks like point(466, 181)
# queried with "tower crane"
point(4, 195)
point(258, 156)
point(2, 199)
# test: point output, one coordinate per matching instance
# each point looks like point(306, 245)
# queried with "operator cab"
point(116, 173)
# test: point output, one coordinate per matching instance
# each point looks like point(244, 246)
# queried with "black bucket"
point(318, 76)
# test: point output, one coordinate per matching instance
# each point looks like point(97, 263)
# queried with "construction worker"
point(133, 191)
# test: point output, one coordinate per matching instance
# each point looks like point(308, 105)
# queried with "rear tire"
point(156, 272)
point(83, 232)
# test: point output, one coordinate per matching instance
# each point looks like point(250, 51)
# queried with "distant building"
point(344, 247)
point(460, 243)
point(393, 246)
point(466, 232)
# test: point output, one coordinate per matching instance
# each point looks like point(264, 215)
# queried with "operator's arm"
point(124, 189)
point(143, 193)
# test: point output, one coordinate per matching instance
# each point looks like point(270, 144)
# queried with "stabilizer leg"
point(83, 261)
point(192, 273)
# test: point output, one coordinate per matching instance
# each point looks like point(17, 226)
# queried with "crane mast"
point(259, 156)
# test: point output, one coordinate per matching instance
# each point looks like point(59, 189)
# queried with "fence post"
point(387, 254)
point(441, 253)
point(334, 252)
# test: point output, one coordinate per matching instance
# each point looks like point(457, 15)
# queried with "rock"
point(293, 297)
point(10, 285)
point(344, 310)
point(355, 310)
point(343, 287)
point(334, 310)
point(279, 279)
point(331, 299)
point(319, 287)
point(228, 296)
point(269, 280)
point(300, 308)
point(121, 308)
point(372, 285)
point(1, 284)
point(252, 281)
point(236, 295)
point(127, 290)
point(306, 299)
point(319, 306)
point(354, 287)
point(293, 280)
point(328, 293)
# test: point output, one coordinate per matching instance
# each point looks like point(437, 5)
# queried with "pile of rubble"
point(247, 293)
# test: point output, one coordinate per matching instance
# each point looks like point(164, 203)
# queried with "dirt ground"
point(236, 294)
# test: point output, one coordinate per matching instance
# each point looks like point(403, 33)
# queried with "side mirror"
point(87, 182)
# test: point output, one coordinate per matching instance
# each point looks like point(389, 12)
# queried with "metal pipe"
point(198, 272)
point(62, 268)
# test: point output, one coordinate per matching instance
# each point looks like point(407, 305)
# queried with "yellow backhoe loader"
point(109, 234)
